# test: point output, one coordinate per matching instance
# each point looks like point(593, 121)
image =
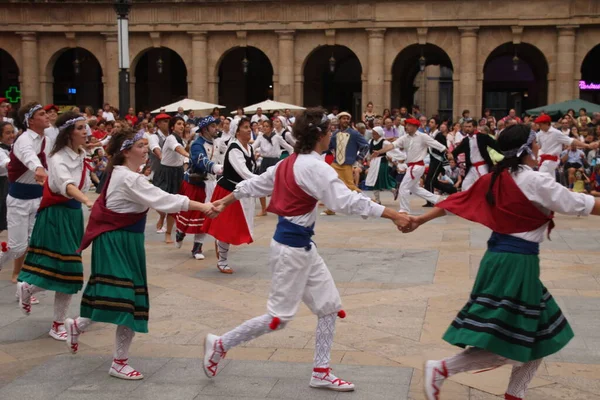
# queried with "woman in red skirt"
point(235, 224)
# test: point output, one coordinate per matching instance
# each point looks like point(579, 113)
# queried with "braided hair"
point(511, 138)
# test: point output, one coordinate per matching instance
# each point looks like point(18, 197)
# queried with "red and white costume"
point(551, 145)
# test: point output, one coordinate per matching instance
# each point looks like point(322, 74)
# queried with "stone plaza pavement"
point(400, 293)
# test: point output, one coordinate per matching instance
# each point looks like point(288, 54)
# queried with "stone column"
point(565, 64)
point(30, 77)
point(387, 90)
point(213, 89)
point(468, 71)
point(111, 70)
point(199, 67)
point(285, 92)
point(376, 70)
point(298, 87)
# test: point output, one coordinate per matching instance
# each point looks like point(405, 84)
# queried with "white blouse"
point(170, 157)
point(549, 195)
point(4, 160)
point(238, 161)
point(319, 180)
point(130, 192)
point(271, 149)
point(65, 168)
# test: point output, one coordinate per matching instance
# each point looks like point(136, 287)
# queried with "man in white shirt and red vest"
point(26, 175)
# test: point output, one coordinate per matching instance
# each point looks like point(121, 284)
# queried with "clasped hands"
point(216, 208)
point(406, 223)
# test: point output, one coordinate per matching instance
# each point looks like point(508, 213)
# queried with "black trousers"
point(432, 182)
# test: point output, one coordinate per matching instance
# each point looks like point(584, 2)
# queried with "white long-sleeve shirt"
point(51, 132)
point(130, 192)
point(4, 160)
point(153, 141)
point(552, 142)
point(271, 149)
point(317, 179)
point(549, 195)
point(26, 148)
point(238, 162)
point(64, 168)
point(416, 146)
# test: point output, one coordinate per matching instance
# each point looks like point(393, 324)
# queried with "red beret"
point(162, 116)
point(49, 107)
point(542, 119)
point(3, 100)
point(412, 121)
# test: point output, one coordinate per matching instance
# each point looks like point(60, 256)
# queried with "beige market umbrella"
point(187, 105)
point(270, 105)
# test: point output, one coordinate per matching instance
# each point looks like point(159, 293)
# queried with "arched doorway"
point(160, 79)
point(245, 77)
point(9, 79)
point(77, 79)
point(332, 77)
point(515, 76)
point(589, 86)
point(422, 74)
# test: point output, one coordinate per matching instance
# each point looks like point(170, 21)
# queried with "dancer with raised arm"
point(299, 274)
point(510, 318)
point(117, 290)
point(52, 261)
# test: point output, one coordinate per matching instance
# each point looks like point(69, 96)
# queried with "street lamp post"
point(122, 8)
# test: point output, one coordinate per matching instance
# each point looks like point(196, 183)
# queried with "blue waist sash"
point(138, 227)
point(72, 203)
point(293, 235)
point(25, 191)
point(501, 243)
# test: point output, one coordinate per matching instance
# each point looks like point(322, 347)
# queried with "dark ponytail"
point(512, 138)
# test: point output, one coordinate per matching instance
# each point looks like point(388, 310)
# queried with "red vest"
point(50, 198)
point(288, 199)
point(103, 219)
point(512, 213)
point(16, 168)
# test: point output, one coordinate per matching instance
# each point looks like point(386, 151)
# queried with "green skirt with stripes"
point(117, 291)
point(510, 312)
point(52, 261)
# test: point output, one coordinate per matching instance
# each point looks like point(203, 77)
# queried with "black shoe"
point(428, 204)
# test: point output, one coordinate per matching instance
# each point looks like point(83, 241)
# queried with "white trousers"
point(410, 184)
point(300, 275)
point(20, 218)
point(472, 176)
point(549, 167)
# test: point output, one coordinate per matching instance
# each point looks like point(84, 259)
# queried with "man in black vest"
point(436, 163)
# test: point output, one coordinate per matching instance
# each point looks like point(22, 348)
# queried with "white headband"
point(70, 122)
point(127, 144)
point(30, 113)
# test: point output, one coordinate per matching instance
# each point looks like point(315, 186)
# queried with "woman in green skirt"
point(378, 176)
point(117, 291)
point(52, 261)
point(510, 318)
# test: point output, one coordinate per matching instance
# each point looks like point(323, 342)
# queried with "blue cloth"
point(293, 235)
point(356, 149)
point(25, 191)
point(138, 227)
point(199, 161)
point(501, 243)
point(574, 156)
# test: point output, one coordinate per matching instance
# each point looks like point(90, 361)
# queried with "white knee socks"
point(473, 359)
point(520, 378)
point(199, 237)
point(124, 337)
point(249, 330)
point(61, 306)
point(82, 324)
point(324, 340)
point(223, 249)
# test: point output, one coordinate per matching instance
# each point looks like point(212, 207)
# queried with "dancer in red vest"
point(117, 290)
point(510, 318)
point(26, 175)
point(299, 273)
point(52, 261)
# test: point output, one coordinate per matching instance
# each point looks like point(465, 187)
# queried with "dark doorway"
point(160, 79)
point(245, 78)
point(78, 79)
point(332, 77)
point(9, 79)
point(589, 86)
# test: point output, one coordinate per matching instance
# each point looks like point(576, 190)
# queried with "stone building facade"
point(377, 47)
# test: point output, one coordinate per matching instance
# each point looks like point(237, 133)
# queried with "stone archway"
point(245, 77)
point(515, 76)
point(422, 74)
point(589, 85)
point(77, 79)
point(9, 78)
point(332, 77)
point(160, 78)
